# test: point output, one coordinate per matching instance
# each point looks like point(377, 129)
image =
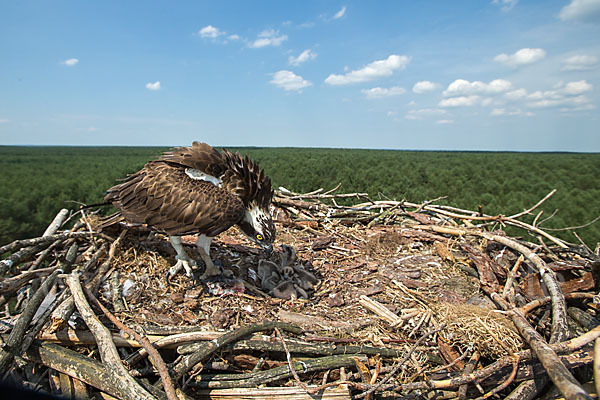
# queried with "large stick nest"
point(382, 274)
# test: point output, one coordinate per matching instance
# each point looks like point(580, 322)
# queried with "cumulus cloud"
point(575, 88)
point(579, 62)
point(505, 5)
point(268, 37)
point(424, 86)
point(445, 121)
point(462, 87)
point(522, 57)
point(233, 37)
point(71, 62)
point(581, 10)
point(516, 94)
point(287, 80)
point(340, 13)
point(570, 95)
point(379, 92)
point(153, 86)
point(376, 69)
point(460, 101)
point(424, 112)
point(306, 55)
point(210, 31)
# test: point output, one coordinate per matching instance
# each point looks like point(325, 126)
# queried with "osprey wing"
point(163, 196)
point(200, 156)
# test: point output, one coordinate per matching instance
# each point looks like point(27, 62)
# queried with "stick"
point(108, 351)
point(289, 360)
point(254, 379)
point(56, 222)
point(152, 352)
point(558, 373)
point(12, 344)
point(17, 244)
point(209, 348)
point(400, 364)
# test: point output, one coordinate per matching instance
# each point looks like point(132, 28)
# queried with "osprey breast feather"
point(198, 190)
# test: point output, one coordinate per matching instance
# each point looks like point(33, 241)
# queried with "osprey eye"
point(259, 236)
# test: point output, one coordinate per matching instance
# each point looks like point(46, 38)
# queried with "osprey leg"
point(183, 260)
point(203, 244)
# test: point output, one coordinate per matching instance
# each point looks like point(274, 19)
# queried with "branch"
point(107, 348)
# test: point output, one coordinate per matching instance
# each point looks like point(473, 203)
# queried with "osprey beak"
point(268, 249)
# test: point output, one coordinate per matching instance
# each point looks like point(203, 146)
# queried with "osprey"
point(197, 190)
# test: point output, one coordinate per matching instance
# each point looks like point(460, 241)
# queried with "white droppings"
point(128, 287)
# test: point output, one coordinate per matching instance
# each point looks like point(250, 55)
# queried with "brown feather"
point(163, 196)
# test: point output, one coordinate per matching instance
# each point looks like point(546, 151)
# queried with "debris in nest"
point(361, 299)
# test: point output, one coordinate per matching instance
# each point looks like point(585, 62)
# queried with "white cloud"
point(516, 94)
point(505, 5)
point(268, 37)
point(340, 13)
point(522, 57)
point(461, 101)
point(579, 62)
point(569, 95)
point(92, 129)
point(210, 31)
point(581, 10)
point(287, 80)
point(4, 120)
point(233, 37)
point(374, 70)
point(153, 86)
point(462, 87)
point(306, 55)
point(379, 92)
point(585, 107)
point(562, 101)
point(424, 112)
point(424, 86)
point(575, 88)
point(71, 62)
point(445, 121)
point(496, 112)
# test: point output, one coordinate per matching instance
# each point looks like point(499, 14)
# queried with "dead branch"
point(107, 348)
point(209, 348)
point(142, 340)
point(13, 343)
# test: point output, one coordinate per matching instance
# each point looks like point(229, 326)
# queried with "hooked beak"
point(268, 249)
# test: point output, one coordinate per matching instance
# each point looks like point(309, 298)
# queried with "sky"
point(512, 75)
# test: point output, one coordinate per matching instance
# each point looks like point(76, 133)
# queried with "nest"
point(377, 296)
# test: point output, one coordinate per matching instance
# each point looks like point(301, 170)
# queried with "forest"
point(36, 182)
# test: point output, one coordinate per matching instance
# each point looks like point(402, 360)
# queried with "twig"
point(539, 203)
point(469, 368)
point(17, 244)
point(106, 347)
point(13, 343)
point(143, 340)
point(558, 373)
point(289, 360)
point(504, 384)
point(400, 364)
point(209, 348)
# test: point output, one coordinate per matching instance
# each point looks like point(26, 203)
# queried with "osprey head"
point(258, 225)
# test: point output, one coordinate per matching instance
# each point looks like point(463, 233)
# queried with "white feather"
point(201, 176)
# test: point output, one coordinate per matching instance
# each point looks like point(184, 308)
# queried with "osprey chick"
point(197, 190)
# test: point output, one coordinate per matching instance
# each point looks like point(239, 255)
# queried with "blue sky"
point(450, 75)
